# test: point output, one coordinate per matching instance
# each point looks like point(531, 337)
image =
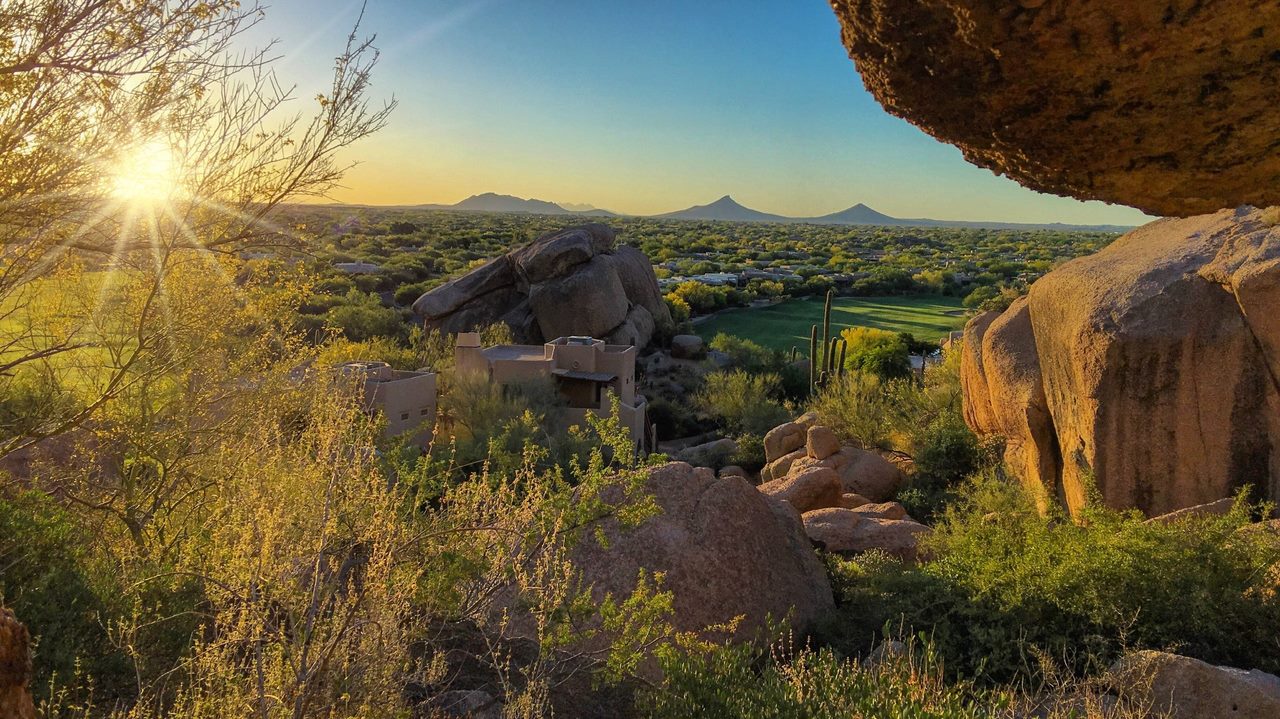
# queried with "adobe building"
point(585, 370)
point(406, 399)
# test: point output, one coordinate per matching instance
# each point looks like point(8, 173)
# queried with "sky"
point(638, 107)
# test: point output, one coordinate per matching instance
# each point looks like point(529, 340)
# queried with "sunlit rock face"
point(15, 668)
point(1164, 105)
point(1150, 369)
point(573, 282)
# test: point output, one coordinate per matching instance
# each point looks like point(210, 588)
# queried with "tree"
point(878, 352)
point(134, 136)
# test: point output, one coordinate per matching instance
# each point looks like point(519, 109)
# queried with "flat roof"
point(590, 376)
point(515, 352)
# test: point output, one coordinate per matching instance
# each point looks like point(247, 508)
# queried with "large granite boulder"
point(1159, 362)
point(15, 668)
point(1165, 106)
point(1180, 687)
point(817, 488)
point(848, 531)
point(725, 549)
point(573, 282)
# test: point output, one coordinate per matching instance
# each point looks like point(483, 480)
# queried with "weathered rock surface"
point(709, 454)
point(1004, 395)
point(849, 500)
point(861, 472)
point(573, 282)
point(816, 488)
point(1184, 688)
point(821, 442)
point(1159, 362)
point(726, 551)
point(850, 531)
point(15, 668)
point(464, 703)
point(782, 440)
point(882, 510)
point(1213, 509)
point(688, 347)
point(779, 467)
point(1168, 107)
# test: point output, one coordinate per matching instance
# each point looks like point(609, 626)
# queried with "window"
point(425, 411)
point(404, 415)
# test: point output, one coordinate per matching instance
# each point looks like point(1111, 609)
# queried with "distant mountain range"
point(727, 209)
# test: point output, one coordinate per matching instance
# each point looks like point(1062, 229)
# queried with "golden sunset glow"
point(147, 174)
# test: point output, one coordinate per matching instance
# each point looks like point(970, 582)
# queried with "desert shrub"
point(377, 349)
point(674, 419)
point(737, 681)
point(361, 316)
point(744, 403)
point(45, 580)
point(946, 452)
point(876, 352)
point(1008, 585)
point(750, 454)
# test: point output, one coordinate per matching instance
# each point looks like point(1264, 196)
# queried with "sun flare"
point(147, 174)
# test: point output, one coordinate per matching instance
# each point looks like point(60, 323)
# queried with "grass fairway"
point(787, 324)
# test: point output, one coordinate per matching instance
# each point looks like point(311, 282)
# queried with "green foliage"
point(737, 681)
point(750, 454)
point(744, 403)
point(1008, 585)
point(946, 453)
point(361, 316)
point(877, 352)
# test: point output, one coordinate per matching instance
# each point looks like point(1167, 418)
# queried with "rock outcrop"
point(573, 282)
point(849, 531)
point(15, 668)
point(1165, 106)
point(1151, 369)
point(1180, 687)
point(726, 550)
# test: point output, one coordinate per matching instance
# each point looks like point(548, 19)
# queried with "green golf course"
point(787, 324)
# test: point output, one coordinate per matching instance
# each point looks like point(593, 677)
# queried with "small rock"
point(883, 510)
point(850, 531)
point(709, 454)
point(807, 420)
point(688, 347)
point(779, 467)
point(821, 442)
point(782, 440)
point(1184, 688)
point(889, 651)
point(732, 470)
point(849, 500)
point(470, 704)
point(816, 488)
point(1212, 509)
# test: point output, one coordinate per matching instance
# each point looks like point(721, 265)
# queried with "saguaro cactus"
point(813, 359)
point(844, 346)
point(826, 328)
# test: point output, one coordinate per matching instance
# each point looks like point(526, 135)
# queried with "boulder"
point(1004, 395)
point(709, 454)
point(472, 704)
point(1220, 508)
point(15, 668)
point(779, 467)
point(588, 302)
point(821, 442)
point(816, 488)
point(555, 255)
point(882, 510)
point(573, 282)
point(850, 531)
point(641, 285)
point(783, 439)
point(1184, 688)
point(1162, 106)
point(725, 550)
point(688, 347)
point(861, 472)
point(1158, 359)
point(849, 500)
point(732, 470)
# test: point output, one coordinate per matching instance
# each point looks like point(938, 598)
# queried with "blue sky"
point(639, 107)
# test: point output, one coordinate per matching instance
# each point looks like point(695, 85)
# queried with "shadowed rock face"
point(1151, 368)
point(572, 282)
point(15, 668)
point(1164, 105)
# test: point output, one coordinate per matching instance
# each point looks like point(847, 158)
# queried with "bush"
point(729, 682)
point(877, 352)
point(946, 452)
point(744, 403)
point(1009, 585)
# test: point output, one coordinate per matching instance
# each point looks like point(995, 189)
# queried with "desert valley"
point(271, 447)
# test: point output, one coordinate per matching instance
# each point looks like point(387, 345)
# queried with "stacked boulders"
point(573, 282)
point(1150, 371)
point(1179, 687)
point(843, 493)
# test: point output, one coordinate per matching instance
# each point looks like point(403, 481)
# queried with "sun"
point(146, 174)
